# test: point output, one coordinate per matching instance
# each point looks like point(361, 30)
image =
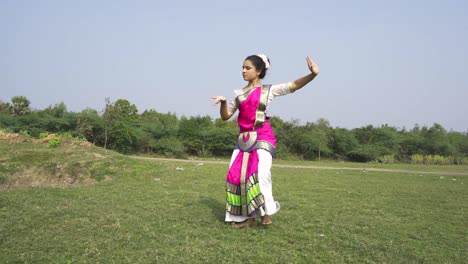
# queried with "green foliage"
point(412, 143)
point(438, 160)
point(90, 126)
point(20, 105)
point(67, 135)
point(342, 141)
point(193, 132)
point(366, 153)
point(25, 133)
point(119, 118)
point(6, 130)
point(219, 141)
point(121, 110)
point(168, 146)
point(57, 110)
point(121, 128)
point(5, 107)
point(386, 159)
point(123, 136)
point(310, 141)
point(55, 142)
point(43, 135)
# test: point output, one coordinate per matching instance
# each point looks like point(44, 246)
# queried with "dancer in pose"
point(248, 181)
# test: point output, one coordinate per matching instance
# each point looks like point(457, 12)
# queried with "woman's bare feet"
point(247, 223)
point(266, 220)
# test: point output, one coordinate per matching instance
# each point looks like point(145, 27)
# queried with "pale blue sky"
point(396, 62)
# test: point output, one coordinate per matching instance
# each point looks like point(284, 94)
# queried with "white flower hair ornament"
point(265, 60)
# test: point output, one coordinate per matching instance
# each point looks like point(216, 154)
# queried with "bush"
point(438, 160)
point(53, 143)
point(417, 159)
point(169, 146)
point(43, 135)
point(366, 153)
point(67, 135)
point(25, 133)
point(386, 159)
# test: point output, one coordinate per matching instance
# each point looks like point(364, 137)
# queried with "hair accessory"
point(265, 60)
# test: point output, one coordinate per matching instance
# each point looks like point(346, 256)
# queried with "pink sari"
point(243, 194)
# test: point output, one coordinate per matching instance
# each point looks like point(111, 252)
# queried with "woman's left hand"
point(312, 66)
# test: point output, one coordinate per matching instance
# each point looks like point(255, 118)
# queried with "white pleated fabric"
point(264, 178)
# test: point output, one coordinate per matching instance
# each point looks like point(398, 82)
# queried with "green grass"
point(398, 166)
point(144, 211)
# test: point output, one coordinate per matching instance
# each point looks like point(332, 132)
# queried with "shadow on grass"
point(217, 208)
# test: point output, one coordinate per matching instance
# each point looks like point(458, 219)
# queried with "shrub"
point(43, 135)
point(53, 143)
point(67, 135)
point(366, 153)
point(386, 159)
point(169, 146)
point(438, 160)
point(417, 159)
point(25, 133)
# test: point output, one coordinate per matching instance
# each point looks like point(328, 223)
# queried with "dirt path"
point(315, 167)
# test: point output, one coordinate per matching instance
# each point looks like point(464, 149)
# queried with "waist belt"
point(247, 142)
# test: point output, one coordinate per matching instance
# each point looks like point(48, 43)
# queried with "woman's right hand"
point(218, 99)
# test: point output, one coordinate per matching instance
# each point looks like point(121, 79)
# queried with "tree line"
point(120, 127)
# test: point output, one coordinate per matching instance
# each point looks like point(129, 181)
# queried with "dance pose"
point(248, 181)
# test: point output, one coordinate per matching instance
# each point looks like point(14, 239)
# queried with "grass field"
point(109, 208)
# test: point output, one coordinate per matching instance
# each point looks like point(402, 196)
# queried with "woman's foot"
point(266, 221)
point(247, 223)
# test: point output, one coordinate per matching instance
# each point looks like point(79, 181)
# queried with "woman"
point(248, 181)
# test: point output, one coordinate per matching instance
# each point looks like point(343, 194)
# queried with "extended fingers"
point(218, 99)
point(309, 62)
point(312, 66)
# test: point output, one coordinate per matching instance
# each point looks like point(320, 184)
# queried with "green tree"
point(437, 141)
point(5, 107)
point(57, 110)
point(20, 105)
point(159, 130)
point(192, 132)
point(117, 116)
point(366, 153)
point(412, 143)
point(123, 136)
point(375, 143)
point(219, 141)
point(90, 125)
point(168, 146)
point(342, 141)
point(125, 110)
point(285, 131)
point(321, 134)
point(158, 124)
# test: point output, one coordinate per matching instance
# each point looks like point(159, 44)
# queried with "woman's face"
point(249, 72)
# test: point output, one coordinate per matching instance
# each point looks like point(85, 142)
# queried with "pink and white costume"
point(248, 181)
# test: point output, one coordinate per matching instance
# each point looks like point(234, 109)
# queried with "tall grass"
point(438, 160)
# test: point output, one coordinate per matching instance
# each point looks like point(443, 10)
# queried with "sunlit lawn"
point(151, 212)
